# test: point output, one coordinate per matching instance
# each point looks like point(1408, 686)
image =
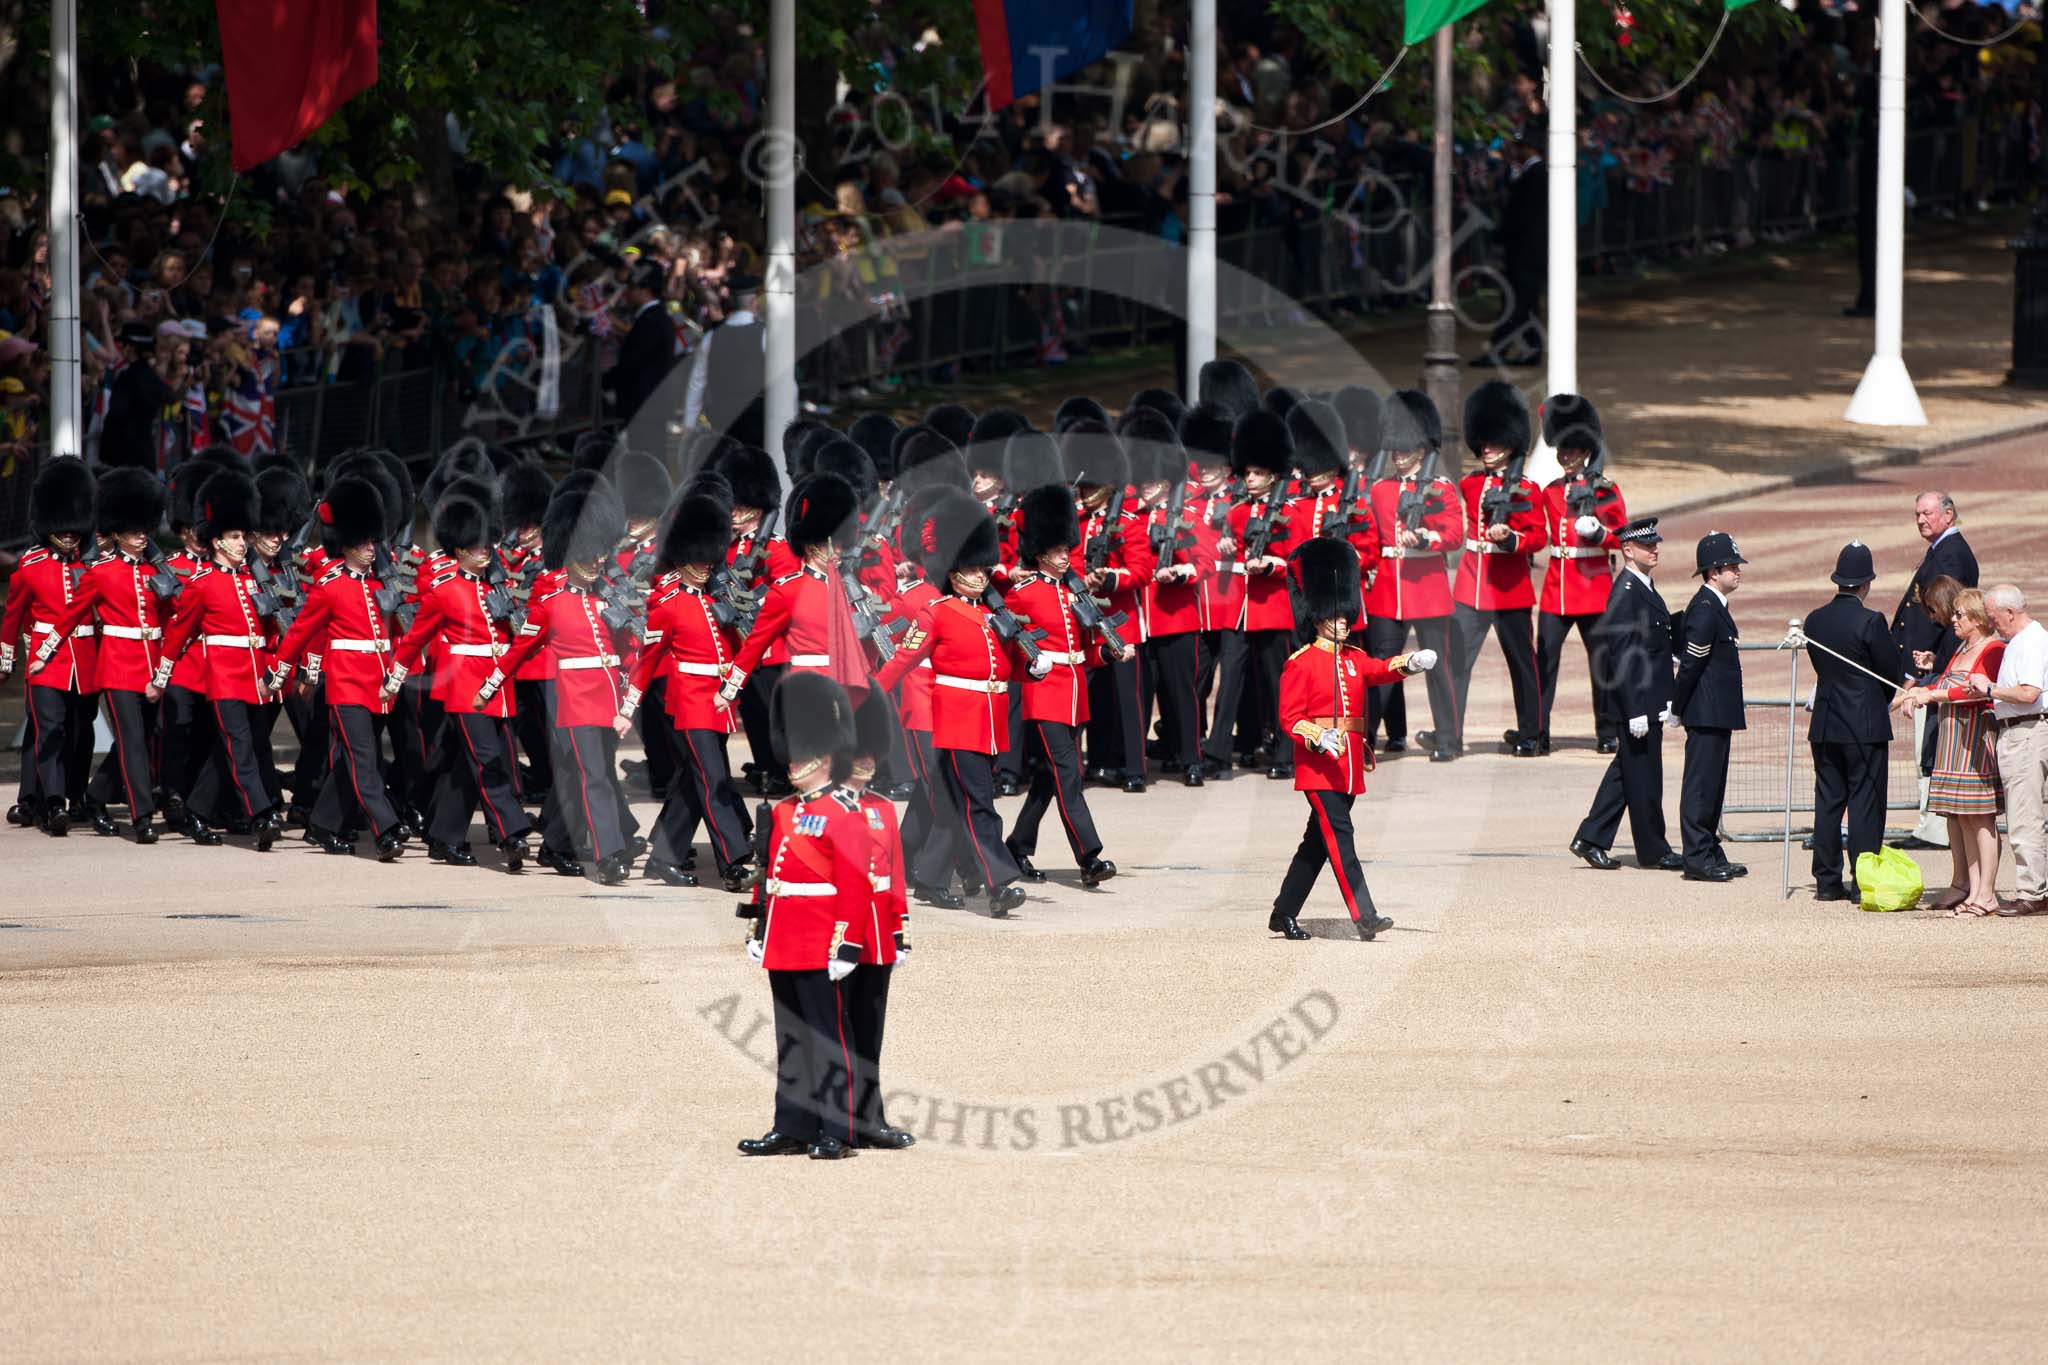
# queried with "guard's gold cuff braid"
point(1308, 730)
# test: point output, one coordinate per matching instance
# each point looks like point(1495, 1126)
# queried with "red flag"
point(290, 65)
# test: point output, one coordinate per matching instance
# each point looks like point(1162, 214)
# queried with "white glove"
point(1421, 661)
point(1667, 716)
point(1589, 528)
point(1331, 742)
point(838, 969)
point(1638, 726)
point(756, 949)
point(1040, 666)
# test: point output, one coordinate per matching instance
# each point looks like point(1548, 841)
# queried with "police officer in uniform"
point(1634, 640)
point(1708, 700)
point(1851, 730)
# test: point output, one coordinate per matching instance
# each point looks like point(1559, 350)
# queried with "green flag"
point(1427, 16)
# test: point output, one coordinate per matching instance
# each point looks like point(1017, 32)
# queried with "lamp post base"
point(1886, 398)
point(2030, 306)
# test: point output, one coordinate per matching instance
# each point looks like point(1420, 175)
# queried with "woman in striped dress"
point(1965, 783)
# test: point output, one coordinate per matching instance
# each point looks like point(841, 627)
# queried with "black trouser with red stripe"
point(1010, 762)
point(355, 782)
point(1116, 724)
point(816, 1074)
point(658, 737)
point(1171, 680)
point(1057, 780)
point(1517, 637)
point(185, 741)
point(1388, 702)
point(57, 719)
point(478, 772)
point(754, 718)
point(701, 790)
point(124, 774)
point(866, 997)
point(308, 717)
point(1326, 840)
point(1551, 632)
point(971, 782)
point(533, 716)
point(233, 781)
point(581, 816)
point(930, 828)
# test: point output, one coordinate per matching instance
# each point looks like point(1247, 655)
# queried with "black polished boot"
point(516, 852)
point(455, 855)
point(740, 877)
point(614, 870)
point(937, 896)
point(102, 823)
point(391, 847)
point(668, 874)
point(1097, 872)
point(145, 831)
point(562, 863)
point(773, 1143)
point(1286, 926)
point(1005, 899)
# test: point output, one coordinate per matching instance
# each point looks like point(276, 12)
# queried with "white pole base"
point(1886, 397)
point(1542, 465)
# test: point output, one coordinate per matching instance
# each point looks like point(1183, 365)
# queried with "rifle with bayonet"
point(166, 582)
point(1008, 627)
point(1421, 500)
point(732, 605)
point(1589, 489)
point(868, 624)
point(882, 524)
point(1172, 535)
point(623, 604)
point(1263, 525)
point(1349, 512)
point(1112, 529)
point(751, 567)
point(1089, 613)
point(391, 587)
point(1496, 505)
point(276, 592)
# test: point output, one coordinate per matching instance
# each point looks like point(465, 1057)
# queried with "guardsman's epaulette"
point(200, 571)
point(34, 557)
point(333, 572)
point(665, 595)
point(1299, 652)
point(787, 578)
point(847, 798)
point(447, 576)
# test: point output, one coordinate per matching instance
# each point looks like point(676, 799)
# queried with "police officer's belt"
point(133, 632)
point(971, 684)
point(1578, 552)
point(361, 646)
point(591, 661)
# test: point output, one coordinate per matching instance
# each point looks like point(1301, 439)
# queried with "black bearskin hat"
point(705, 484)
point(1093, 456)
point(1280, 400)
point(1318, 435)
point(954, 531)
point(928, 460)
point(801, 442)
point(1046, 520)
point(398, 518)
point(130, 499)
point(188, 478)
point(1205, 433)
point(1495, 415)
point(751, 474)
point(1165, 402)
point(1409, 421)
point(837, 455)
point(593, 451)
point(699, 533)
point(1077, 408)
point(1152, 446)
point(1359, 407)
point(1032, 458)
point(228, 502)
point(350, 514)
point(467, 517)
point(1571, 422)
point(810, 716)
point(363, 465)
point(992, 431)
point(954, 421)
point(60, 501)
point(1324, 581)
point(584, 522)
point(1260, 439)
point(524, 493)
point(283, 501)
point(1229, 386)
point(466, 459)
point(874, 726)
point(821, 508)
point(643, 484)
point(875, 433)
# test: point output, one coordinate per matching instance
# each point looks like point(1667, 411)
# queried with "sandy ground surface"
point(299, 1107)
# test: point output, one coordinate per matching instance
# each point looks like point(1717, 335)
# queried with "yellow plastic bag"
point(1889, 880)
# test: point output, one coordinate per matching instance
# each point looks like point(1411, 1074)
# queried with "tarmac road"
point(429, 1112)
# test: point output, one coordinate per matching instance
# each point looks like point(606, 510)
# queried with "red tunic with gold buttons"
point(540, 666)
point(46, 588)
point(1266, 604)
point(915, 698)
point(569, 624)
point(356, 636)
point(1580, 574)
point(1176, 608)
point(217, 613)
point(781, 563)
point(1495, 576)
point(684, 643)
point(1062, 694)
point(807, 611)
point(1130, 561)
point(889, 909)
point(190, 670)
point(472, 642)
point(1317, 685)
point(1314, 511)
point(970, 675)
point(131, 622)
point(1411, 582)
point(1221, 603)
point(815, 885)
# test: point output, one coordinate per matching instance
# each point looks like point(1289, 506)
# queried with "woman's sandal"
point(1952, 896)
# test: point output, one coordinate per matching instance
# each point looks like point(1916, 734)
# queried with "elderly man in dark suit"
point(1926, 645)
point(1851, 729)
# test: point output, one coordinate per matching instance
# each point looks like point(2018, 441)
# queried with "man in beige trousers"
point(2018, 701)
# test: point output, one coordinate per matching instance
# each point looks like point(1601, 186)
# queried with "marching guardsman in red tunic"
point(813, 912)
point(1410, 593)
point(1322, 457)
point(963, 637)
point(524, 491)
point(472, 620)
point(1116, 562)
point(1582, 512)
point(645, 491)
point(759, 557)
point(284, 504)
point(1031, 459)
point(355, 633)
point(1503, 529)
point(1169, 608)
point(46, 585)
point(582, 815)
point(1322, 711)
point(885, 938)
point(185, 734)
point(131, 599)
point(690, 638)
point(805, 611)
point(218, 612)
point(931, 834)
point(1056, 701)
point(1260, 531)
point(1205, 437)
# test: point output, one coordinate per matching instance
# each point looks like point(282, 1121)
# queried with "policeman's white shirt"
point(693, 398)
point(1719, 596)
point(2025, 665)
point(1643, 576)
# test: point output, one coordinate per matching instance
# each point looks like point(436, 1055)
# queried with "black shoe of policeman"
point(1369, 924)
point(1276, 773)
point(1717, 873)
point(102, 823)
point(636, 848)
point(1832, 893)
point(773, 1143)
point(1394, 746)
point(1525, 748)
point(562, 863)
point(1134, 784)
point(937, 896)
point(1670, 862)
point(516, 852)
point(886, 1139)
point(740, 877)
point(1008, 786)
point(391, 847)
point(145, 831)
point(455, 855)
point(1004, 899)
point(1609, 745)
point(1025, 870)
point(668, 873)
point(831, 1149)
point(1286, 926)
point(1736, 869)
point(1097, 872)
point(688, 862)
point(1594, 855)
